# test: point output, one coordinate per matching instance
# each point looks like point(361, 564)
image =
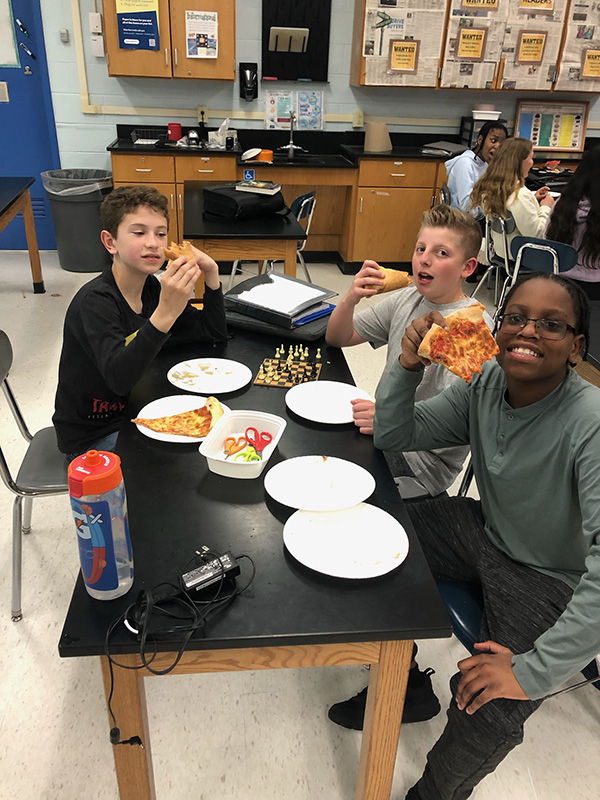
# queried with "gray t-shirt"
point(385, 323)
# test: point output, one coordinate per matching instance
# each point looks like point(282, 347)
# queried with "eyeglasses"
point(545, 328)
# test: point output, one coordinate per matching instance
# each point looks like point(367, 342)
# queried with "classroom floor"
point(246, 736)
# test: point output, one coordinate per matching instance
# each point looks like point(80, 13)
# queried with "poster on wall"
point(552, 125)
point(137, 23)
point(395, 50)
point(201, 34)
point(309, 111)
point(278, 105)
point(579, 69)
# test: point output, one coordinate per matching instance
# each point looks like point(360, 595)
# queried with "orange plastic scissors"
point(231, 445)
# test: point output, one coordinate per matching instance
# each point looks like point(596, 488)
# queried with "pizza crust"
point(178, 250)
point(392, 279)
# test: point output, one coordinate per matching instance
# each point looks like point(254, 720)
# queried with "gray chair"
point(302, 208)
point(500, 265)
point(43, 472)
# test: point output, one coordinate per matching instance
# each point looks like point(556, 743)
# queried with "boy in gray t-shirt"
point(445, 254)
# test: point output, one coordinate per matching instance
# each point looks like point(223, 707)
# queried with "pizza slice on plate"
point(466, 344)
point(196, 423)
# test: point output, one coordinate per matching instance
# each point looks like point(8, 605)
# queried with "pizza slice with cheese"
point(196, 423)
point(466, 344)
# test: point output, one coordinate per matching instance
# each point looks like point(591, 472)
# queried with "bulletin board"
point(531, 45)
point(552, 125)
point(402, 40)
point(580, 63)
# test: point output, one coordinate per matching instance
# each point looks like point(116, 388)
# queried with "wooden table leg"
point(383, 716)
point(32, 245)
point(133, 763)
point(290, 258)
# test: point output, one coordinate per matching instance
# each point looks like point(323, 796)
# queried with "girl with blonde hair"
point(502, 190)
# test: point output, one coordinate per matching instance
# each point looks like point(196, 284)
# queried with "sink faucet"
point(292, 148)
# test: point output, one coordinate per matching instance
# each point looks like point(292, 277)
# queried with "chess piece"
point(306, 353)
point(318, 355)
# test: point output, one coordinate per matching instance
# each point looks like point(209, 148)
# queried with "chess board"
point(279, 372)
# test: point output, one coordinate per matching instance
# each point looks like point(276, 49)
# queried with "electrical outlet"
point(205, 110)
point(358, 119)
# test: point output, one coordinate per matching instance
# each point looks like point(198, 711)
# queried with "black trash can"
point(75, 196)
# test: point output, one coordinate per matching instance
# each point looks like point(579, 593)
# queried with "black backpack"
point(226, 203)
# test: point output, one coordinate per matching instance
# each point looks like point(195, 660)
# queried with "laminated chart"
point(552, 126)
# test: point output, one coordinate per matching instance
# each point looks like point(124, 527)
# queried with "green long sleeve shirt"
point(538, 475)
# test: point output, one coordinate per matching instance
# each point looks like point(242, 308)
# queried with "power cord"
point(172, 601)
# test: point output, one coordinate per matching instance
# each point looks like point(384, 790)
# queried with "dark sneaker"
point(420, 704)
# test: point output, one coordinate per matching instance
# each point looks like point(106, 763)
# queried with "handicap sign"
point(248, 174)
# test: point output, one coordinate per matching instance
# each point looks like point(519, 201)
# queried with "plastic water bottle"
point(100, 510)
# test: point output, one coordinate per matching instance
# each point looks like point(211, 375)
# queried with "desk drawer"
point(205, 168)
point(142, 169)
point(397, 173)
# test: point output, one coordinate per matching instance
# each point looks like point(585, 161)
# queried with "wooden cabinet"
point(389, 202)
point(172, 59)
point(167, 173)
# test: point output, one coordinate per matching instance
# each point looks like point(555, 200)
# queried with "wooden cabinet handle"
point(166, 57)
point(176, 61)
point(172, 201)
point(180, 203)
point(206, 170)
point(383, 194)
point(398, 163)
point(397, 174)
point(139, 169)
point(360, 206)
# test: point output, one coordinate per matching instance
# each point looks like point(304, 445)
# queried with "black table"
point(15, 197)
point(291, 616)
point(267, 238)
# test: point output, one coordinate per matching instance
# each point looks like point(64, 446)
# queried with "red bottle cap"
point(94, 472)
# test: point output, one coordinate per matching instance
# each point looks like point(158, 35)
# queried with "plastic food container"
point(234, 423)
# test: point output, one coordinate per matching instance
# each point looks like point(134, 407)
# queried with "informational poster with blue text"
point(137, 23)
point(310, 110)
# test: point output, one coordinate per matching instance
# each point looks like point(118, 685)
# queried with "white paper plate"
point(209, 375)
point(319, 483)
point(358, 542)
point(247, 155)
point(164, 407)
point(324, 401)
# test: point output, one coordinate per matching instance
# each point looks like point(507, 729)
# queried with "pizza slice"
point(392, 279)
point(178, 250)
point(466, 344)
point(196, 423)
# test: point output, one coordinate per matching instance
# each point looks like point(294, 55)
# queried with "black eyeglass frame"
point(539, 332)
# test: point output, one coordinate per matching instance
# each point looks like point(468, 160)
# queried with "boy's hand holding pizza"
point(461, 342)
point(413, 336)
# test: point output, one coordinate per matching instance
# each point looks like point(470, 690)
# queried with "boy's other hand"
point(365, 282)
point(363, 412)
point(414, 335)
point(209, 267)
point(486, 677)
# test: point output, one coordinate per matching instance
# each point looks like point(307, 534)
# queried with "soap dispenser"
point(248, 80)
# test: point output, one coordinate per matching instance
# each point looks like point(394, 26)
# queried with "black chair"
point(43, 473)
point(303, 209)
point(464, 603)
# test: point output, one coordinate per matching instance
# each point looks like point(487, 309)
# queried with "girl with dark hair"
point(532, 543)
point(502, 189)
point(465, 170)
point(575, 220)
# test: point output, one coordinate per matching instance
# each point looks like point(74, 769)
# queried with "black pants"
point(519, 604)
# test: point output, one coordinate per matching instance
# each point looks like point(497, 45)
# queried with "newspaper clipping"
point(580, 64)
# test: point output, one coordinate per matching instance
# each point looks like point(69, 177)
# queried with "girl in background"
point(575, 220)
